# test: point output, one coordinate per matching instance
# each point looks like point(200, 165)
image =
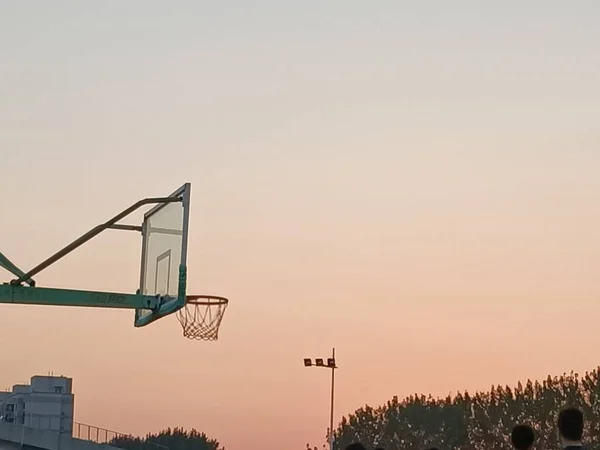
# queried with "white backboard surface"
point(164, 247)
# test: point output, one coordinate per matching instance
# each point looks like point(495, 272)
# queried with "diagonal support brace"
point(12, 268)
point(91, 234)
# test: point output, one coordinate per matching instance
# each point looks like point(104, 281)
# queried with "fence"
point(95, 434)
point(56, 422)
point(103, 436)
point(79, 430)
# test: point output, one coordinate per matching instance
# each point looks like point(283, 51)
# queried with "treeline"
point(479, 421)
point(169, 439)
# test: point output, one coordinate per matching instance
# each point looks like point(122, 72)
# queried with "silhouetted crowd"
point(570, 427)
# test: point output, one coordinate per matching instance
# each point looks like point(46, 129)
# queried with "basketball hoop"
point(201, 316)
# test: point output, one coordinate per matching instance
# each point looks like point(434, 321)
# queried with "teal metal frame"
point(169, 305)
point(16, 293)
point(141, 318)
point(12, 268)
point(27, 295)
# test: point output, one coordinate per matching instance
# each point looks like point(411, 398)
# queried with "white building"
point(47, 403)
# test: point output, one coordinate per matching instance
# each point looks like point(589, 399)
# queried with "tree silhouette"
point(169, 439)
point(481, 421)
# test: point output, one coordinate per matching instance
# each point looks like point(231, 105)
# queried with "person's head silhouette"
point(522, 437)
point(570, 427)
point(356, 446)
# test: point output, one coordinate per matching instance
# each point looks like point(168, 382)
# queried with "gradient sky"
point(414, 183)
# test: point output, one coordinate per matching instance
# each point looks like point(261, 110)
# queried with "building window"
point(58, 389)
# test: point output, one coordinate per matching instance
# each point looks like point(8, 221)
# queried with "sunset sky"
point(413, 183)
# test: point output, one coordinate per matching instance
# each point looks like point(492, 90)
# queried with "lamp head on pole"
point(307, 362)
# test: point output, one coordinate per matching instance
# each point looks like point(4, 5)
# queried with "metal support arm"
point(66, 297)
point(118, 226)
point(91, 234)
point(12, 268)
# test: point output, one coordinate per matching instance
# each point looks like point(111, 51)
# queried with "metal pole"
point(332, 401)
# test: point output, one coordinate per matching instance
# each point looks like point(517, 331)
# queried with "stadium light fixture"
point(331, 364)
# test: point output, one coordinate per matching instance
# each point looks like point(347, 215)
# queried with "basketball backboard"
point(164, 255)
point(163, 274)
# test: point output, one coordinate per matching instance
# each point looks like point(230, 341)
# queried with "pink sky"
point(417, 187)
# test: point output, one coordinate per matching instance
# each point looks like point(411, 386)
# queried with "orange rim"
point(206, 300)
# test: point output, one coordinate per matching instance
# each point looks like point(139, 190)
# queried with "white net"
point(201, 317)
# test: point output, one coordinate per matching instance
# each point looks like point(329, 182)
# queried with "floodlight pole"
point(331, 364)
point(332, 401)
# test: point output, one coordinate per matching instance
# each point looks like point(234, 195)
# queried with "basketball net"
point(201, 317)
